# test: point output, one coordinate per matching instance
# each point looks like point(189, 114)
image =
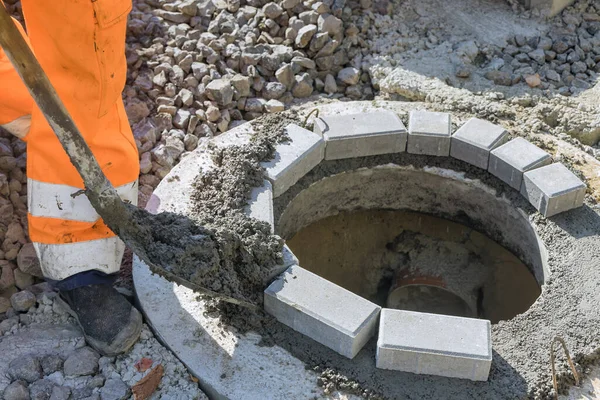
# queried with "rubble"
point(69, 368)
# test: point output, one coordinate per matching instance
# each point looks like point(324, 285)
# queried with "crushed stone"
point(105, 377)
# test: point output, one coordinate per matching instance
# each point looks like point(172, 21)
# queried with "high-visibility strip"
point(62, 231)
point(59, 261)
point(67, 202)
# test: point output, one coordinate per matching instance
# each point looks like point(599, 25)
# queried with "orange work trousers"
point(80, 44)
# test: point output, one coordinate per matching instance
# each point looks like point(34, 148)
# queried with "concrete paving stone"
point(553, 189)
point(260, 205)
point(361, 135)
point(509, 161)
point(434, 344)
point(474, 140)
point(322, 310)
point(293, 159)
point(429, 133)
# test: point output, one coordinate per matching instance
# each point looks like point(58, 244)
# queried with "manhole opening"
point(417, 262)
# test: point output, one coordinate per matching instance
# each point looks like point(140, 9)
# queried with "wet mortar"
point(217, 246)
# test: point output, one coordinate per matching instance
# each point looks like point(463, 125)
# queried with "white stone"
point(349, 75)
point(322, 310)
point(473, 142)
point(361, 135)
point(429, 133)
point(273, 106)
point(260, 205)
point(293, 159)
point(553, 189)
point(509, 161)
point(434, 344)
point(305, 34)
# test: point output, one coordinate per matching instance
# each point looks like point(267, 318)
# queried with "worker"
point(80, 44)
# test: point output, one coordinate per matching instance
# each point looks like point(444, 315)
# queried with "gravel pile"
point(567, 59)
point(198, 68)
point(561, 56)
point(19, 266)
point(82, 373)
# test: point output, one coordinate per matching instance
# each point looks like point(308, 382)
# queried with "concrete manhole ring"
point(235, 366)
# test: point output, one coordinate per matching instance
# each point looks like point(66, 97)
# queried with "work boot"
point(110, 324)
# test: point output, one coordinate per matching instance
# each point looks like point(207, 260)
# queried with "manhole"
point(393, 204)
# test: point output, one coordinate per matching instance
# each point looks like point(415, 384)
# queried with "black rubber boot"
point(110, 324)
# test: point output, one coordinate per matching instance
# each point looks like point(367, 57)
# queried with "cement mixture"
point(217, 246)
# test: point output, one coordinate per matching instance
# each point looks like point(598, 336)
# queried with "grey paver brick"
point(361, 135)
point(429, 133)
point(509, 161)
point(553, 189)
point(434, 344)
point(322, 310)
point(474, 140)
point(293, 159)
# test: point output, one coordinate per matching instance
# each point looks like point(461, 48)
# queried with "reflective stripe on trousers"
point(68, 234)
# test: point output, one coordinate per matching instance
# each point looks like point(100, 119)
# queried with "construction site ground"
point(195, 73)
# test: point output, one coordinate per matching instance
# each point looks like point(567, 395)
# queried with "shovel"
point(102, 195)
